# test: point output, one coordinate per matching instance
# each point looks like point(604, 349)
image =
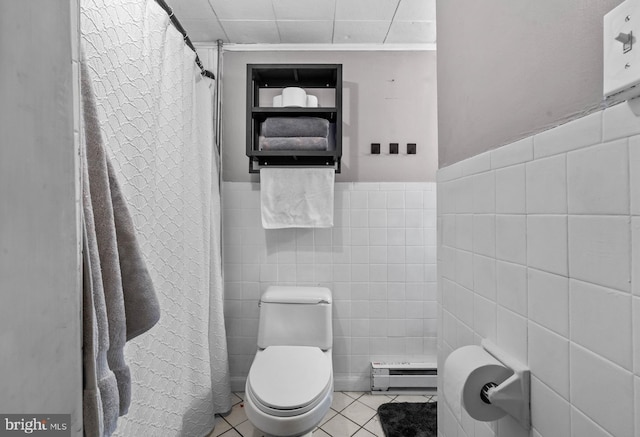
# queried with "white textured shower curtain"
point(157, 123)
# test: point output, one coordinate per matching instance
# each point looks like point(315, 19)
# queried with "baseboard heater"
point(403, 378)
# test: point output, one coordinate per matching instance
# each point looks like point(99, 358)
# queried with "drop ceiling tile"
point(365, 9)
point(251, 32)
point(243, 9)
point(416, 10)
point(357, 32)
point(204, 30)
point(412, 32)
point(304, 9)
point(192, 10)
point(293, 32)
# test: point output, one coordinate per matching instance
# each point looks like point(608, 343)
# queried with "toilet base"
point(295, 426)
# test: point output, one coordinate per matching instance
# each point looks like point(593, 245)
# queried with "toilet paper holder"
point(513, 395)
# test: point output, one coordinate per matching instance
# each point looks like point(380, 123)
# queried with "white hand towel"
point(297, 197)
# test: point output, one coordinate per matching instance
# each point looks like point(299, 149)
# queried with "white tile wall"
point(484, 234)
point(613, 409)
point(510, 190)
point(600, 250)
point(551, 273)
point(547, 185)
point(511, 284)
point(598, 179)
point(547, 243)
point(511, 238)
point(596, 316)
point(634, 173)
point(518, 152)
point(379, 260)
point(549, 359)
point(549, 300)
point(552, 412)
point(581, 426)
point(580, 133)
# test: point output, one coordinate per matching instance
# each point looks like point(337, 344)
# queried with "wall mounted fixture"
point(487, 383)
point(514, 394)
point(621, 79)
point(301, 149)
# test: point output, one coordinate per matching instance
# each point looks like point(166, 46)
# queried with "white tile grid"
point(379, 260)
point(351, 414)
point(556, 284)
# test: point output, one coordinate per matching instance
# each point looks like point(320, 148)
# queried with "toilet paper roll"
point(312, 101)
point(466, 371)
point(294, 96)
point(277, 101)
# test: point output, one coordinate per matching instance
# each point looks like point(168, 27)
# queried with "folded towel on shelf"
point(295, 127)
point(293, 143)
point(297, 197)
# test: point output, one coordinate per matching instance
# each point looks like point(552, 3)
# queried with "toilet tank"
point(295, 316)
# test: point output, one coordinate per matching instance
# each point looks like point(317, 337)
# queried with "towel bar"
point(294, 161)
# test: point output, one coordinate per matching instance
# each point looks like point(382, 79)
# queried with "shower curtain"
point(156, 115)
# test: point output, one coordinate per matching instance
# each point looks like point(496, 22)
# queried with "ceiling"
point(308, 21)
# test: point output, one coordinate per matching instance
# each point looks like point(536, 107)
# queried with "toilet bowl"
point(289, 388)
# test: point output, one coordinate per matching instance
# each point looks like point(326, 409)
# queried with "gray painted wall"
point(40, 332)
point(511, 68)
point(388, 96)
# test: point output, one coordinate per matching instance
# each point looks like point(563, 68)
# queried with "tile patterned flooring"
point(351, 414)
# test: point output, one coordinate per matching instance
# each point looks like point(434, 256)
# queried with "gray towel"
point(102, 206)
point(141, 304)
point(293, 143)
point(97, 376)
point(295, 127)
point(101, 395)
point(117, 278)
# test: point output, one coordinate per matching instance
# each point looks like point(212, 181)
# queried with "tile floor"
point(351, 414)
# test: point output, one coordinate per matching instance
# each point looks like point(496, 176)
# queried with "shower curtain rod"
point(187, 41)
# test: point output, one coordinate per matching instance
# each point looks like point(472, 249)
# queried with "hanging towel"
point(119, 298)
point(141, 307)
point(109, 282)
point(99, 381)
point(297, 197)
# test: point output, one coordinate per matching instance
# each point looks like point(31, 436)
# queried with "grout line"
point(333, 26)
point(566, 196)
point(391, 22)
point(630, 228)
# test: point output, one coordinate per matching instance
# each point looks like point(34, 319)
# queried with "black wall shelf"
point(307, 76)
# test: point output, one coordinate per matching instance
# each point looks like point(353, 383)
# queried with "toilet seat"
point(289, 380)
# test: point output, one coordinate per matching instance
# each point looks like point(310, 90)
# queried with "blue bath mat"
point(409, 419)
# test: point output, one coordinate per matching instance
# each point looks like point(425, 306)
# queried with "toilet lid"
point(289, 377)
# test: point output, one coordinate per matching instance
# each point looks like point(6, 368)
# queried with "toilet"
point(289, 388)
